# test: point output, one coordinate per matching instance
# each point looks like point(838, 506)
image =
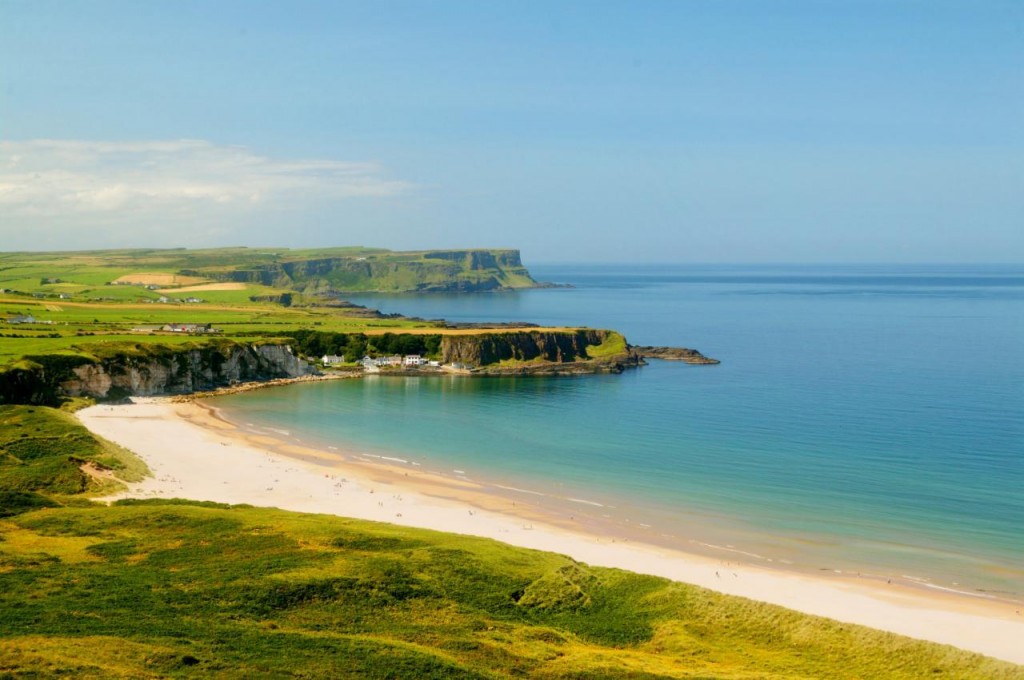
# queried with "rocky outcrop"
point(283, 299)
point(690, 356)
point(150, 370)
point(183, 372)
point(549, 352)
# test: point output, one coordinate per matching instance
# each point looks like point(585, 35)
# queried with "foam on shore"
point(194, 454)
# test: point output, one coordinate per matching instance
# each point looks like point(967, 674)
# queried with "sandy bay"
point(195, 453)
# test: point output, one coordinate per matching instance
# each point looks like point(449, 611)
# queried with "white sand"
point(193, 455)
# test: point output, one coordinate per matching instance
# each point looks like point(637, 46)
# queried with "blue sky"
point(703, 131)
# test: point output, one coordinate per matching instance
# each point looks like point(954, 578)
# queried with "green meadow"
point(89, 274)
point(169, 588)
point(83, 302)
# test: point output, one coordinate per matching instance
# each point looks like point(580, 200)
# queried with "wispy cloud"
point(191, 184)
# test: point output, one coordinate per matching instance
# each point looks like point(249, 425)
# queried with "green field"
point(246, 293)
point(89, 275)
point(148, 589)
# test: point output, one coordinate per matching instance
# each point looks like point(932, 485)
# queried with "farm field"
point(78, 302)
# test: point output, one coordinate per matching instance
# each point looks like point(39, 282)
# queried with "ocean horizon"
point(864, 418)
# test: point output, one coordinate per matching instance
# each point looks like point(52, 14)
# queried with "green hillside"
point(148, 589)
point(88, 274)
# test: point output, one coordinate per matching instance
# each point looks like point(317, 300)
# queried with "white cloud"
point(192, 185)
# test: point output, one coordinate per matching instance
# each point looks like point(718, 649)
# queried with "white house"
point(189, 328)
point(394, 360)
point(331, 359)
point(413, 360)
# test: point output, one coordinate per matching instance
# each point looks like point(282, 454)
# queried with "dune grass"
point(42, 454)
point(173, 588)
point(167, 589)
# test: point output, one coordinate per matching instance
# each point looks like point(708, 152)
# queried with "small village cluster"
point(26, 319)
point(189, 328)
point(373, 364)
point(197, 328)
point(21, 319)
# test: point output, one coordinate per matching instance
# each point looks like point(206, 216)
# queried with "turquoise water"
point(862, 419)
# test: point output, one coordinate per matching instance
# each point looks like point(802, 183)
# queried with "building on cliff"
point(189, 328)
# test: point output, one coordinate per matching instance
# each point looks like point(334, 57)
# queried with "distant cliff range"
point(347, 270)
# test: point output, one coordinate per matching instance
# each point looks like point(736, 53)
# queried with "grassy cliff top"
point(202, 257)
point(89, 273)
point(82, 302)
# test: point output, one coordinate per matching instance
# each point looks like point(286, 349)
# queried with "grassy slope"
point(173, 588)
point(77, 326)
point(157, 589)
point(41, 454)
point(614, 344)
point(99, 314)
point(85, 274)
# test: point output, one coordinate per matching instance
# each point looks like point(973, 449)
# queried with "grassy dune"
point(42, 454)
point(177, 588)
point(153, 588)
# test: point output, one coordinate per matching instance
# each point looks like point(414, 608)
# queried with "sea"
point(864, 419)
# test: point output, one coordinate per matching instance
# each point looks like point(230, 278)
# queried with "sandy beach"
point(195, 454)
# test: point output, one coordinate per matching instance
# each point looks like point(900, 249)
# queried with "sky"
point(668, 131)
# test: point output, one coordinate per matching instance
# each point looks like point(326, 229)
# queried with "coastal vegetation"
point(174, 588)
point(68, 308)
point(169, 588)
point(235, 274)
point(47, 459)
point(110, 324)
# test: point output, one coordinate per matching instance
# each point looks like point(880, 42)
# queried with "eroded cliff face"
point(184, 372)
point(538, 352)
point(151, 370)
point(442, 270)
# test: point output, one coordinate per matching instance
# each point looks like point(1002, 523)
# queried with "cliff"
point(146, 370)
point(383, 271)
point(154, 369)
point(548, 352)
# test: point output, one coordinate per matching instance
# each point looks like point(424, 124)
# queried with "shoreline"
point(195, 453)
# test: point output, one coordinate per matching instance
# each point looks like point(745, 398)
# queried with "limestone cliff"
point(437, 270)
point(150, 370)
point(574, 351)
